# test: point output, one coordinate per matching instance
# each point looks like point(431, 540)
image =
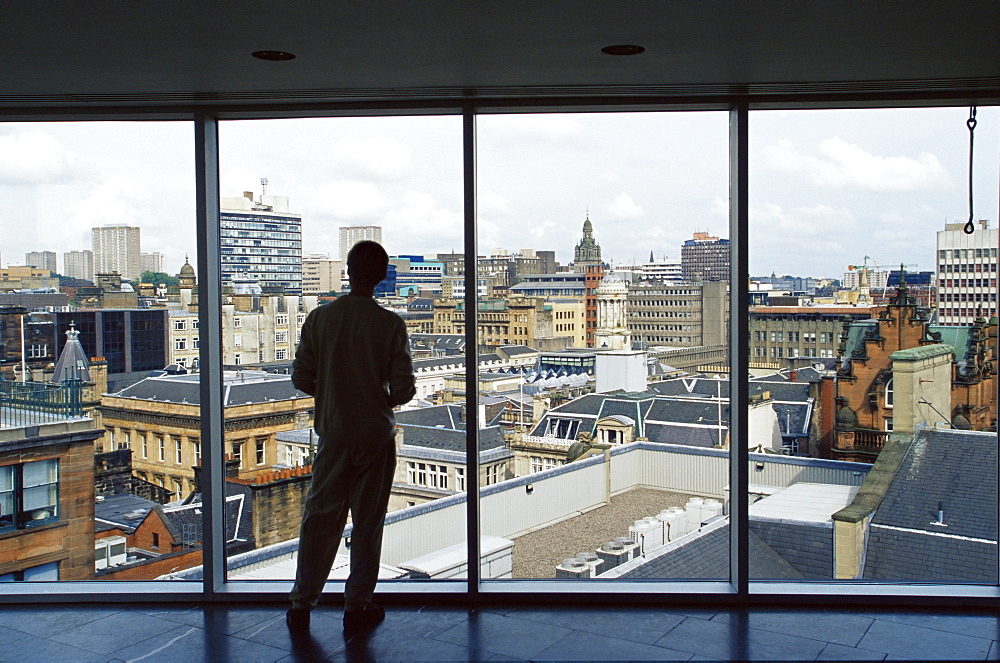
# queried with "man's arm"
point(304, 366)
point(402, 386)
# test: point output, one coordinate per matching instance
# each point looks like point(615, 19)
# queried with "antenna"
point(263, 187)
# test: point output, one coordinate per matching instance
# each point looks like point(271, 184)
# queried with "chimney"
point(792, 375)
point(248, 195)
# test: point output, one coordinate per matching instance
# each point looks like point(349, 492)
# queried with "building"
point(563, 284)
point(152, 262)
point(779, 333)
point(678, 314)
point(41, 260)
point(661, 271)
point(705, 257)
point(46, 483)
point(261, 243)
point(320, 274)
point(351, 235)
point(513, 321)
point(612, 314)
point(116, 248)
point(18, 277)
point(966, 273)
point(899, 373)
point(79, 264)
point(158, 418)
point(414, 275)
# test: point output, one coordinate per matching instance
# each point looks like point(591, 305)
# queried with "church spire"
point(588, 251)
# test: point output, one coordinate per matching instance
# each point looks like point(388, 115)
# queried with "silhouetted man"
point(354, 358)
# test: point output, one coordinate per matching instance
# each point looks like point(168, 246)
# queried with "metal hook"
point(970, 227)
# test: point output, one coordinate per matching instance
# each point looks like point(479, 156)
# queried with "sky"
point(827, 188)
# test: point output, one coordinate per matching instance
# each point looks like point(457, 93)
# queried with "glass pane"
point(873, 338)
point(604, 392)
point(289, 219)
point(97, 223)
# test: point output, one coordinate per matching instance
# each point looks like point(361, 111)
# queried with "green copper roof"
point(957, 337)
point(922, 352)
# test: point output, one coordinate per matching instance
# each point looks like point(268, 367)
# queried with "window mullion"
point(739, 338)
point(471, 347)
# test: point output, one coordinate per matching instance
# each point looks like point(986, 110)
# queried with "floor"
point(258, 633)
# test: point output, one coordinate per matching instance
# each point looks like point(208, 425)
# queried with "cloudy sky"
point(827, 187)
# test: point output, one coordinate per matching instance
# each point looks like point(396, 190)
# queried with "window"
point(888, 394)
point(194, 323)
point(180, 325)
point(161, 446)
point(29, 494)
point(281, 337)
point(460, 479)
point(145, 445)
point(177, 450)
point(236, 359)
point(300, 319)
point(888, 424)
point(238, 453)
point(281, 320)
point(280, 354)
point(194, 343)
point(196, 448)
point(237, 340)
point(237, 322)
point(180, 344)
point(259, 448)
point(38, 350)
point(156, 541)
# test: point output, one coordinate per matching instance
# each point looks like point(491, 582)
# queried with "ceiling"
point(58, 53)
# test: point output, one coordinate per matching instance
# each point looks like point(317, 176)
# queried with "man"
point(354, 358)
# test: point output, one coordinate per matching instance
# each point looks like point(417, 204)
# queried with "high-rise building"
point(151, 262)
point(116, 249)
point(320, 274)
point(79, 264)
point(41, 260)
point(351, 235)
point(966, 273)
point(705, 257)
point(261, 242)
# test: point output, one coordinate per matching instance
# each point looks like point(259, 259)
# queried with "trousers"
point(355, 477)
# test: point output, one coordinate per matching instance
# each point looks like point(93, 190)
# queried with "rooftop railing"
point(33, 403)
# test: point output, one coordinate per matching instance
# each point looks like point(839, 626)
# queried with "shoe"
point(364, 620)
point(297, 620)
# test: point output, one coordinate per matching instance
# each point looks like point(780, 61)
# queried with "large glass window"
point(889, 403)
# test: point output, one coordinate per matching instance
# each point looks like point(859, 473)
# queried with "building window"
point(281, 320)
point(196, 448)
point(29, 494)
point(126, 440)
point(888, 395)
point(300, 318)
point(281, 337)
point(236, 359)
point(238, 453)
point(194, 323)
point(177, 450)
point(888, 424)
point(180, 325)
point(260, 444)
point(238, 340)
point(156, 541)
point(180, 344)
point(145, 445)
point(237, 322)
point(460, 479)
point(162, 448)
point(38, 350)
point(194, 343)
point(280, 354)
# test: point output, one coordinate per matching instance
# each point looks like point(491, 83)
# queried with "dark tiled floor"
point(258, 633)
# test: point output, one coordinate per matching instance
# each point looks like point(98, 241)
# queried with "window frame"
point(738, 588)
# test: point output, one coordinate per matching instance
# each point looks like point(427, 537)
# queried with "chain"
point(970, 227)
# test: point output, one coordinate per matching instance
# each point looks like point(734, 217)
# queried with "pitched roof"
point(956, 470)
point(240, 388)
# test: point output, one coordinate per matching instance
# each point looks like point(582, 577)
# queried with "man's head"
point(367, 264)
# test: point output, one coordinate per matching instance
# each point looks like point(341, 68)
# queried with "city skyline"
point(819, 180)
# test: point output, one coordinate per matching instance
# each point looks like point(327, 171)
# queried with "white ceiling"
point(66, 52)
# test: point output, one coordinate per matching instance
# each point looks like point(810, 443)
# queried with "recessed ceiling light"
point(623, 49)
point(273, 56)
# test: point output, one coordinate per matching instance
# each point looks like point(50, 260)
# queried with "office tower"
point(116, 249)
point(79, 264)
point(151, 262)
point(320, 274)
point(705, 257)
point(261, 242)
point(966, 273)
point(351, 235)
point(41, 260)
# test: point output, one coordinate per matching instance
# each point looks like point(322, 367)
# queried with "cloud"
point(492, 202)
point(381, 158)
point(815, 240)
point(551, 128)
point(417, 223)
point(844, 165)
point(35, 157)
point(348, 200)
point(624, 207)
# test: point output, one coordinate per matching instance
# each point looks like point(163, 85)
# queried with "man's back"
point(353, 357)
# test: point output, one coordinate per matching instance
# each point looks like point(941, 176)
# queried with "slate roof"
point(448, 416)
point(959, 470)
point(808, 548)
point(447, 439)
point(238, 515)
point(125, 512)
point(707, 558)
point(240, 388)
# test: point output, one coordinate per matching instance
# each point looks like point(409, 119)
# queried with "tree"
point(158, 278)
